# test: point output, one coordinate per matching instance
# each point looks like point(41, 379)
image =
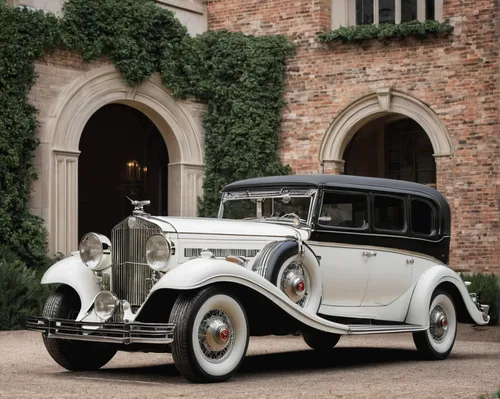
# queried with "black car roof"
point(346, 181)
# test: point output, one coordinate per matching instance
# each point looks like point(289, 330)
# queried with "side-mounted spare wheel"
point(437, 341)
point(211, 334)
point(298, 276)
point(64, 303)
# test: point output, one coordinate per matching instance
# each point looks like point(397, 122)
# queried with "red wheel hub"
point(300, 286)
point(224, 334)
point(444, 323)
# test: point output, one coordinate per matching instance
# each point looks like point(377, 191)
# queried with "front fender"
point(201, 272)
point(71, 271)
point(418, 312)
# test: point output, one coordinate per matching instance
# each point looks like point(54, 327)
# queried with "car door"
point(390, 269)
point(339, 239)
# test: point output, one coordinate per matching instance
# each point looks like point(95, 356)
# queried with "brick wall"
point(457, 77)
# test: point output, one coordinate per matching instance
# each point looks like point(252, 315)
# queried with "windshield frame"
point(281, 192)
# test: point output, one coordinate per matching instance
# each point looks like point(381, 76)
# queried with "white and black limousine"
point(321, 254)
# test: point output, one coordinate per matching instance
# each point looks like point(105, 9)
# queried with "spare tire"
point(298, 277)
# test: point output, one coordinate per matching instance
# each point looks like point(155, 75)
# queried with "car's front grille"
point(130, 270)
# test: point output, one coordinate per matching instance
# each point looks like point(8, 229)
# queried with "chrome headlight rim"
point(92, 249)
point(105, 304)
point(158, 252)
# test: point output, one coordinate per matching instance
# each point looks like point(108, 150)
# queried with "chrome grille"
point(130, 270)
point(221, 252)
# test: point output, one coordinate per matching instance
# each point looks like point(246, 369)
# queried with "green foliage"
point(386, 31)
point(487, 286)
point(25, 35)
point(135, 34)
point(21, 294)
point(241, 78)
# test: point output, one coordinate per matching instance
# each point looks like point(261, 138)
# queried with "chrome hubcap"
point(295, 283)
point(216, 335)
point(438, 325)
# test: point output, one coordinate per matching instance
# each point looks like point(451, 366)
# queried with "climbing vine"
point(24, 36)
point(241, 78)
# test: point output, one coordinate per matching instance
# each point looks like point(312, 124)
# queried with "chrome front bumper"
point(115, 333)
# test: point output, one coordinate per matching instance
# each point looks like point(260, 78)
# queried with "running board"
point(383, 329)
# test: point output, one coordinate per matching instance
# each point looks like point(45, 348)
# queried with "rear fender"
point(201, 272)
point(72, 271)
point(435, 277)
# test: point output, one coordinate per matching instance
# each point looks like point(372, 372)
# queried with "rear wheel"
point(437, 341)
point(320, 340)
point(73, 355)
point(211, 335)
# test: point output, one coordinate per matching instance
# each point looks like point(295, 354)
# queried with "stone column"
point(184, 187)
point(65, 220)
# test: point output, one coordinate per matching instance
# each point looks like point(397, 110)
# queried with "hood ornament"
point(138, 206)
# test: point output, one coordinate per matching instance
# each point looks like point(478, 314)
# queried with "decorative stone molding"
point(382, 102)
point(76, 104)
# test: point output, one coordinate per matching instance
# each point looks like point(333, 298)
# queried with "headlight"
point(158, 251)
point(92, 248)
point(105, 304)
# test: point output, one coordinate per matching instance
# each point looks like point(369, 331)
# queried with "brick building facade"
point(351, 108)
point(448, 85)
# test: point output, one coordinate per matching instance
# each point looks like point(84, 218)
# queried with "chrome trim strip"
point(374, 248)
point(355, 329)
point(118, 333)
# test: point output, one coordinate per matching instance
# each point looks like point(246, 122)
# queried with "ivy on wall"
point(24, 36)
point(241, 78)
point(360, 33)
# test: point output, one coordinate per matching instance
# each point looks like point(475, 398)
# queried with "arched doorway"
point(393, 147)
point(397, 112)
point(122, 154)
point(179, 123)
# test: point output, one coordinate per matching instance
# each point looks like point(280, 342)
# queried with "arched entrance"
point(76, 106)
point(122, 155)
point(393, 147)
point(392, 113)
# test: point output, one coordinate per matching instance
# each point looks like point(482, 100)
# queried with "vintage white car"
point(321, 254)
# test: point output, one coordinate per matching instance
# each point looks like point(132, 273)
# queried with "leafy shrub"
point(487, 286)
point(21, 293)
point(385, 31)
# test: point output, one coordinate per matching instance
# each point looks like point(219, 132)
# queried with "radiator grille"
point(221, 252)
point(130, 269)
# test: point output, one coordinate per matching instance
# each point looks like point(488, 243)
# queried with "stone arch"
point(370, 107)
point(76, 104)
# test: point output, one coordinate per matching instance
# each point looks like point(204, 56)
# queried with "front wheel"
point(437, 341)
point(73, 355)
point(211, 335)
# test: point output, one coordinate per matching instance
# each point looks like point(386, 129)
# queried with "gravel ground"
point(376, 366)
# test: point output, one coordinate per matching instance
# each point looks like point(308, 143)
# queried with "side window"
point(422, 218)
point(344, 210)
point(389, 213)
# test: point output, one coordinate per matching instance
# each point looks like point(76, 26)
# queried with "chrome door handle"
point(410, 261)
point(368, 254)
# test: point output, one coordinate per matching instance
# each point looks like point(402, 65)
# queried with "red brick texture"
point(457, 77)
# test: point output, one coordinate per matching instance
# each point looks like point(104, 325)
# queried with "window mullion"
point(376, 9)
point(397, 16)
point(421, 10)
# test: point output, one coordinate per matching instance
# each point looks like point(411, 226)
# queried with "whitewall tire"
point(211, 335)
point(437, 341)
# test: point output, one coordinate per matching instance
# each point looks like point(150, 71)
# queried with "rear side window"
point(344, 210)
point(422, 218)
point(389, 213)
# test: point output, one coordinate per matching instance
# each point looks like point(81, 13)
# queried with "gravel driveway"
point(375, 366)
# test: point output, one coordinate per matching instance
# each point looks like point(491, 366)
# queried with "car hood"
point(185, 226)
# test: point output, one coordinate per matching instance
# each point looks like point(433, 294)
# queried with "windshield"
point(283, 206)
